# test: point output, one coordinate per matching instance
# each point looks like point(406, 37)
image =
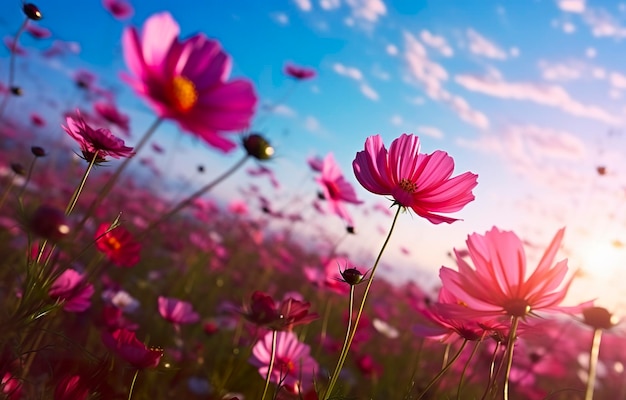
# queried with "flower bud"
point(18, 169)
point(49, 222)
point(350, 230)
point(16, 91)
point(258, 147)
point(32, 11)
point(352, 276)
point(599, 318)
point(38, 151)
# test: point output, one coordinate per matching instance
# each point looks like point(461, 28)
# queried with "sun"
point(602, 258)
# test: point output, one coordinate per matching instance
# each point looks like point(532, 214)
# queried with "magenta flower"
point(71, 288)
point(120, 9)
point(336, 189)
point(109, 112)
point(37, 32)
point(177, 311)
point(419, 181)
point(125, 344)
point(186, 81)
point(299, 73)
point(498, 284)
point(118, 245)
point(95, 142)
point(294, 367)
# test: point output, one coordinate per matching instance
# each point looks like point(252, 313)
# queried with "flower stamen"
point(183, 94)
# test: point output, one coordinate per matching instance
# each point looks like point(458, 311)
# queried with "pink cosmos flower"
point(419, 181)
point(13, 46)
point(37, 31)
point(95, 142)
point(120, 9)
point(299, 73)
point(125, 344)
point(112, 115)
point(498, 284)
point(186, 81)
point(118, 245)
point(294, 368)
point(177, 311)
point(336, 189)
point(70, 287)
point(316, 163)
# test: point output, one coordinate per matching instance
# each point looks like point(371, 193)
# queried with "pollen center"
point(408, 186)
point(183, 94)
point(285, 365)
point(113, 243)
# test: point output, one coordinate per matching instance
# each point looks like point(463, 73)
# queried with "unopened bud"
point(32, 11)
point(258, 147)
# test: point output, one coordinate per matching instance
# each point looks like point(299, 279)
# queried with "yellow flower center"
point(408, 186)
point(113, 243)
point(183, 94)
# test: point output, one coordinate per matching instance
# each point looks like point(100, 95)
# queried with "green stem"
point(509, 352)
point(184, 203)
point(458, 392)
point(492, 369)
point(593, 363)
point(341, 360)
point(81, 185)
point(271, 366)
point(5, 101)
point(28, 176)
point(443, 370)
point(8, 190)
point(344, 351)
point(132, 385)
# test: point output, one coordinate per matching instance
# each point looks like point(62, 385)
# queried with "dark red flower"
point(125, 344)
point(118, 245)
point(299, 73)
point(263, 310)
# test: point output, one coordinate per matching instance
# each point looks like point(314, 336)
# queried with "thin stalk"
point(593, 363)
point(132, 385)
point(5, 101)
point(271, 366)
point(81, 185)
point(446, 354)
point(8, 190)
point(509, 352)
point(458, 392)
point(443, 370)
point(492, 369)
point(335, 375)
point(189, 200)
point(344, 351)
point(28, 176)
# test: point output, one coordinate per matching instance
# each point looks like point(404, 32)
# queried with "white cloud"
point(437, 42)
point(350, 72)
point(431, 76)
point(572, 6)
point(396, 120)
point(544, 155)
point(617, 80)
point(430, 131)
point(312, 124)
point(392, 50)
point(304, 5)
point(330, 4)
point(514, 52)
point(603, 24)
point(368, 10)
point(568, 27)
point(561, 71)
point(283, 110)
point(549, 95)
point(481, 46)
point(590, 52)
point(368, 91)
point(280, 18)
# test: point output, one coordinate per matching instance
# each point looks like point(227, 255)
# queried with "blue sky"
point(528, 94)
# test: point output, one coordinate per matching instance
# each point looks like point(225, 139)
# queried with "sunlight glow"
point(601, 259)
